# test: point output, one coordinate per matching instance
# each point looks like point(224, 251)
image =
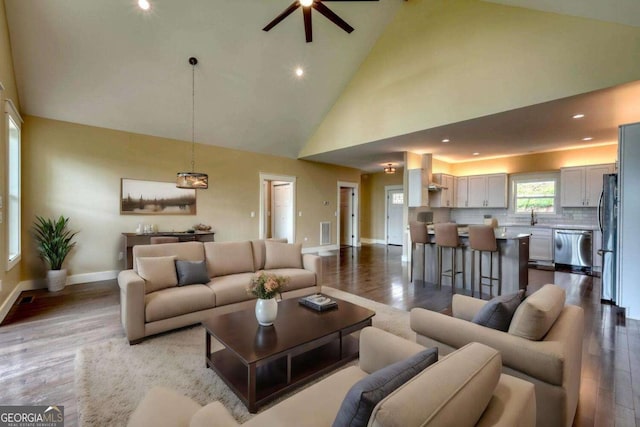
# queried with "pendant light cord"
point(193, 115)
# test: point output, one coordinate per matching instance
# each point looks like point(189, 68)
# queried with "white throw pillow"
point(158, 272)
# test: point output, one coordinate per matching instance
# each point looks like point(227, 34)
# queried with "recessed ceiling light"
point(446, 140)
point(588, 138)
point(578, 116)
point(476, 154)
point(299, 72)
point(144, 4)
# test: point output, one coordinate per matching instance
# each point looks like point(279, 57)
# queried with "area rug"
point(112, 377)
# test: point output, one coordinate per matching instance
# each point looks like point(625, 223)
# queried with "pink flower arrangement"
point(267, 286)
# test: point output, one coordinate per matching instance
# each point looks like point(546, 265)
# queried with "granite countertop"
point(563, 226)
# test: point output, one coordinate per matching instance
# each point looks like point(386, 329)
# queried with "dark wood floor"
point(38, 340)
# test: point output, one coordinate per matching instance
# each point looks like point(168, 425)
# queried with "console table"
point(132, 239)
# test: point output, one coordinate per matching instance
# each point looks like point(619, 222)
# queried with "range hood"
point(427, 161)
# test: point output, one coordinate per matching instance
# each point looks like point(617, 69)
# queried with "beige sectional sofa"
point(465, 388)
point(152, 302)
point(543, 345)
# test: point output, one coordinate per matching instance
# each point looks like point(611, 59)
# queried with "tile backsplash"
point(567, 216)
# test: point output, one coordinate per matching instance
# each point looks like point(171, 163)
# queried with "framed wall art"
point(139, 197)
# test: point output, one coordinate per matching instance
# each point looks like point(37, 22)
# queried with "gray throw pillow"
point(192, 273)
point(498, 312)
point(362, 398)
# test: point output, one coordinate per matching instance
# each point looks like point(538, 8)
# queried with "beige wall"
point(539, 162)
point(75, 170)
point(444, 61)
point(9, 278)
point(373, 202)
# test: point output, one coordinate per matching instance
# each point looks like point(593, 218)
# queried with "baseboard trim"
point(320, 249)
point(30, 285)
point(373, 241)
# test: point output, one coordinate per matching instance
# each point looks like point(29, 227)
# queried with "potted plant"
point(54, 244)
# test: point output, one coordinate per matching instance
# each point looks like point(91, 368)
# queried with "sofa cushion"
point(282, 255)
point(364, 395)
point(158, 272)
point(232, 288)
point(190, 251)
point(228, 258)
point(453, 392)
point(297, 278)
point(192, 273)
point(172, 302)
point(538, 312)
point(259, 252)
point(498, 312)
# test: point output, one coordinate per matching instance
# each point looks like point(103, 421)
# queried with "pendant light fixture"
point(390, 169)
point(193, 180)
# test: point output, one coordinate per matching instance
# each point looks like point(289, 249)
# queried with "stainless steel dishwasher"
point(573, 247)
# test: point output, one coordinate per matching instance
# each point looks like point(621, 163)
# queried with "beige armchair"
point(552, 363)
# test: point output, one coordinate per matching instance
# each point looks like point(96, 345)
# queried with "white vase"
point(56, 280)
point(266, 311)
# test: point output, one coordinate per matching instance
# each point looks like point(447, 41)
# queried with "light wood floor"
point(38, 340)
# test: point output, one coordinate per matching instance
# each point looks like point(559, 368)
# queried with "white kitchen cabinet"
point(461, 193)
point(487, 191)
point(540, 242)
point(418, 190)
point(443, 198)
point(581, 185)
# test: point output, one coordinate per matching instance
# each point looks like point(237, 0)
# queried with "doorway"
point(277, 207)
point(393, 214)
point(347, 214)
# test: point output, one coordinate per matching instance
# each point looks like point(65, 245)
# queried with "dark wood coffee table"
point(260, 363)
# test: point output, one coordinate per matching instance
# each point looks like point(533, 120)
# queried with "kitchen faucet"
point(534, 221)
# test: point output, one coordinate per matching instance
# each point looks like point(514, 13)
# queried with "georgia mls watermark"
point(31, 416)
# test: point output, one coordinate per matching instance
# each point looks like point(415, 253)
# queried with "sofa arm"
point(313, 263)
point(544, 360)
point(162, 407)
point(132, 306)
point(213, 414)
point(464, 307)
point(379, 348)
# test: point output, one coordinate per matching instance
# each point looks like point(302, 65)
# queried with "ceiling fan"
point(307, 5)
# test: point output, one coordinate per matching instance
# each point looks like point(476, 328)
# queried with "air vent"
point(26, 300)
point(325, 233)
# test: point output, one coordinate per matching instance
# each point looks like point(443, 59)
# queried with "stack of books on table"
point(318, 302)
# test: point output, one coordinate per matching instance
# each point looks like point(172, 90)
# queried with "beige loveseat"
point(465, 388)
point(543, 345)
point(152, 302)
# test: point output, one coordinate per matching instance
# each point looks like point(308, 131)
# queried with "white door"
point(395, 201)
point(346, 216)
point(572, 187)
point(497, 191)
point(461, 193)
point(282, 216)
point(477, 190)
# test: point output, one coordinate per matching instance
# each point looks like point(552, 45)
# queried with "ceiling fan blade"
point(279, 18)
point(332, 16)
point(306, 12)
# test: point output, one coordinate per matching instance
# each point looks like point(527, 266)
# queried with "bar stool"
point(447, 237)
point(419, 235)
point(163, 239)
point(482, 238)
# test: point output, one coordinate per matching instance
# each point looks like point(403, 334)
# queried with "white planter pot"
point(56, 280)
point(266, 311)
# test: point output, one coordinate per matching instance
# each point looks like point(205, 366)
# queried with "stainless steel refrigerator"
point(608, 221)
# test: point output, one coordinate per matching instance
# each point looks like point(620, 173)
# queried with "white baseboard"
point(373, 241)
point(30, 285)
point(320, 249)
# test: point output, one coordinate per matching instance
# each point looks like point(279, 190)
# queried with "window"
point(13, 184)
point(397, 198)
point(537, 192)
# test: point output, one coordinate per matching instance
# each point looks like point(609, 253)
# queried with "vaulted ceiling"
point(112, 65)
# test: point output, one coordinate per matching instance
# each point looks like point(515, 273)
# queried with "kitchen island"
point(513, 249)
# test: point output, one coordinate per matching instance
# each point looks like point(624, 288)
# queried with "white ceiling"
point(108, 64)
